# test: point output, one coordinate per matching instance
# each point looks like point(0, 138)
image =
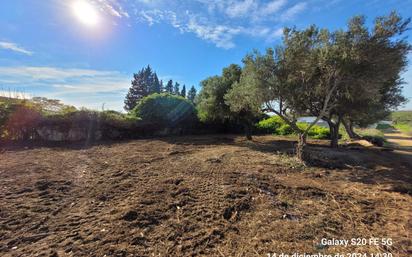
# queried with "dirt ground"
point(399, 140)
point(201, 196)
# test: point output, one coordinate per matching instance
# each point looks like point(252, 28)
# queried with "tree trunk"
point(248, 132)
point(349, 129)
point(300, 147)
point(334, 133)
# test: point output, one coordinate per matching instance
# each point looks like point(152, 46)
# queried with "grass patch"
point(405, 128)
point(369, 132)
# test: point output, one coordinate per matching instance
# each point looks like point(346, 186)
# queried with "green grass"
point(373, 132)
point(372, 135)
point(405, 128)
point(402, 121)
point(402, 117)
point(369, 132)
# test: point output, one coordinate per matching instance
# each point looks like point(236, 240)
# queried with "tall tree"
point(169, 87)
point(287, 81)
point(155, 87)
point(144, 83)
point(322, 73)
point(191, 94)
point(176, 89)
point(212, 103)
point(183, 92)
point(385, 51)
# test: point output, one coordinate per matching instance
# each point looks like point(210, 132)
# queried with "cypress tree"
point(144, 83)
point(169, 87)
point(183, 92)
point(176, 90)
point(191, 94)
point(155, 84)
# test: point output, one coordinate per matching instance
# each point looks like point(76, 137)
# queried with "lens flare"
point(86, 13)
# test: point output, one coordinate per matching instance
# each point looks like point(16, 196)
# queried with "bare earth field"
point(201, 196)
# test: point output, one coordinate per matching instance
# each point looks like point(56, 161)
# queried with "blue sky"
point(87, 58)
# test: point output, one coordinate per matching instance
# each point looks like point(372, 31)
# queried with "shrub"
point(271, 125)
point(166, 110)
point(275, 125)
point(383, 126)
point(18, 119)
point(117, 119)
point(376, 140)
point(319, 132)
point(284, 130)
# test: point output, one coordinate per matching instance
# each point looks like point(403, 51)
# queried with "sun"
point(85, 12)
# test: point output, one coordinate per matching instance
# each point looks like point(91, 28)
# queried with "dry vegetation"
point(200, 196)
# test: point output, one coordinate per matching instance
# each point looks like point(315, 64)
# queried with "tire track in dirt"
point(184, 197)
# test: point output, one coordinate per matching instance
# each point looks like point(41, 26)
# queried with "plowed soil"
point(201, 196)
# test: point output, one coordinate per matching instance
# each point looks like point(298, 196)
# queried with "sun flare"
point(85, 12)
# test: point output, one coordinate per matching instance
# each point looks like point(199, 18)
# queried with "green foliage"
point(334, 75)
point(276, 125)
point(401, 117)
point(165, 110)
point(284, 130)
point(369, 132)
point(183, 92)
point(404, 127)
point(169, 87)
point(211, 100)
point(144, 83)
point(402, 121)
point(270, 125)
point(191, 94)
point(376, 140)
point(18, 118)
point(176, 89)
point(381, 126)
point(118, 120)
point(376, 89)
point(317, 132)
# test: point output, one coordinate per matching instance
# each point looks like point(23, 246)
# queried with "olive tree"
point(290, 79)
point(383, 55)
point(212, 105)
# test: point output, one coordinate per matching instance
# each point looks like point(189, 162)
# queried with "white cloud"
point(293, 11)
point(220, 34)
point(112, 7)
point(241, 8)
point(272, 7)
point(67, 84)
point(156, 16)
point(249, 9)
point(224, 20)
point(51, 73)
point(66, 80)
point(14, 47)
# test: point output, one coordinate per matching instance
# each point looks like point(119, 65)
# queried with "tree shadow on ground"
point(372, 165)
point(369, 165)
point(398, 137)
